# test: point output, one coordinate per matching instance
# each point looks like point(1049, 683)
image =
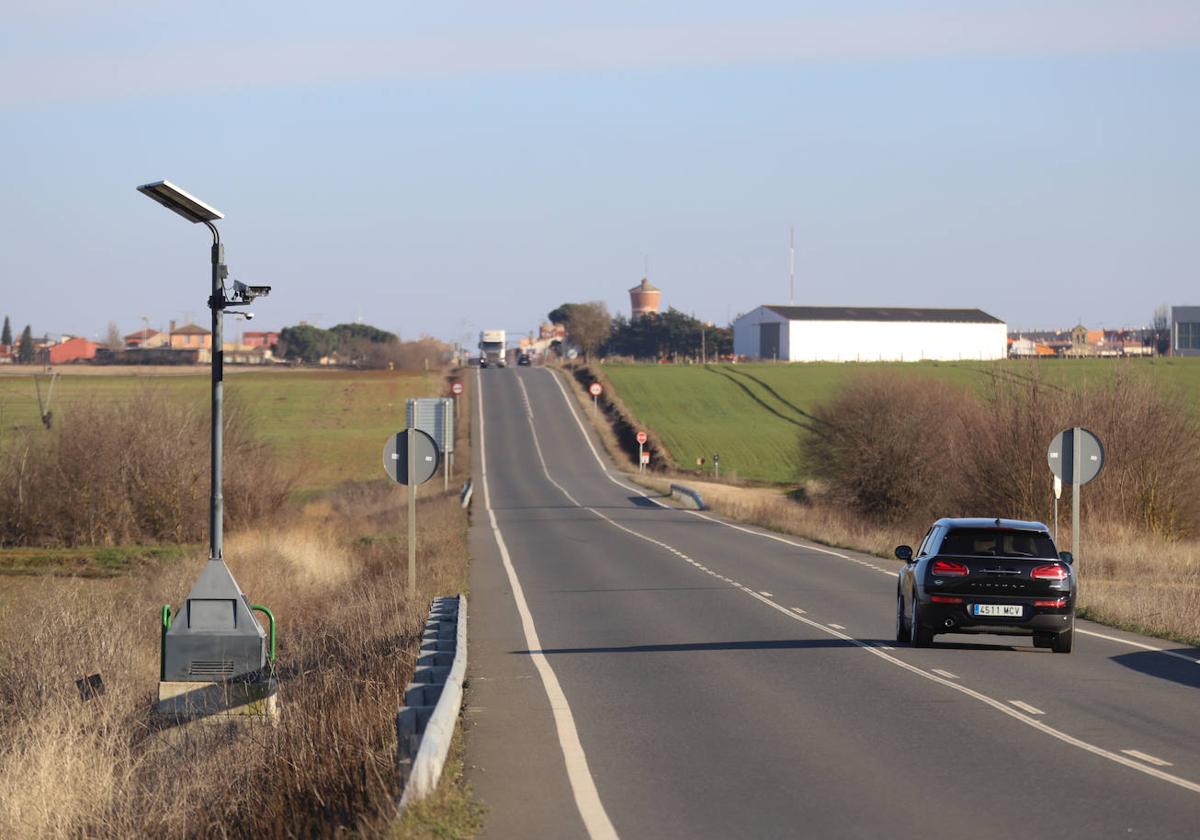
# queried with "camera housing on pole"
point(214, 653)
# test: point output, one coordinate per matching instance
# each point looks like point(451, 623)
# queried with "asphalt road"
point(641, 671)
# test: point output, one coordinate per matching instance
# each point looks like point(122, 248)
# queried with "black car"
point(524, 360)
point(999, 576)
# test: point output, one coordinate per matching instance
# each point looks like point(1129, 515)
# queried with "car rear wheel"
point(903, 634)
point(922, 637)
point(1064, 641)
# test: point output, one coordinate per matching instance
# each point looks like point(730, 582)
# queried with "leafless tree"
point(113, 341)
point(588, 325)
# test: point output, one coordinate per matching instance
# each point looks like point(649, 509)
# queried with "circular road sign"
point(1061, 456)
point(641, 438)
point(456, 388)
point(395, 457)
point(595, 390)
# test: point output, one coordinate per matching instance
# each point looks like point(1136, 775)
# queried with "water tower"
point(644, 299)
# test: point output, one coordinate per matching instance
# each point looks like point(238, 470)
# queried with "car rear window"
point(989, 542)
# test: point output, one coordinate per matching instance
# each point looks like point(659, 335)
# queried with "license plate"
point(1004, 610)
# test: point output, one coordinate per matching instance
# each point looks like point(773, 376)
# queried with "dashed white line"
point(837, 627)
point(1149, 759)
point(1025, 707)
point(1025, 716)
point(768, 594)
point(800, 610)
point(945, 674)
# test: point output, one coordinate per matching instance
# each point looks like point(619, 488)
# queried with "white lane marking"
point(786, 541)
point(1025, 707)
point(1132, 643)
point(837, 627)
point(945, 674)
point(764, 592)
point(583, 786)
point(870, 648)
point(1149, 759)
point(800, 610)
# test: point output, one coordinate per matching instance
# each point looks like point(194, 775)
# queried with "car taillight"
point(1049, 573)
point(944, 567)
point(945, 599)
point(1056, 604)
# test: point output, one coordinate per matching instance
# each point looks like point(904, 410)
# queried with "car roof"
point(981, 522)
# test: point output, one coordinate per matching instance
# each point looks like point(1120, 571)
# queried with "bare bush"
point(131, 471)
point(891, 447)
point(900, 449)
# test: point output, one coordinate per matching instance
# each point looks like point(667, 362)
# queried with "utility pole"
point(792, 265)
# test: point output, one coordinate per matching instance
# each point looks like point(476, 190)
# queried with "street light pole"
point(216, 510)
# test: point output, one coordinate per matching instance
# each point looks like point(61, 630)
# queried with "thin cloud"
point(1095, 27)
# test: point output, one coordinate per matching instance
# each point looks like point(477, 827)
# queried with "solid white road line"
point(1025, 707)
point(1027, 719)
point(1132, 643)
point(945, 674)
point(583, 786)
point(1149, 759)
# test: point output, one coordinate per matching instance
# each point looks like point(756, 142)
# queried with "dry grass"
point(335, 577)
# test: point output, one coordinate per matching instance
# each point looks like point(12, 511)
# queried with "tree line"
point(358, 345)
point(24, 347)
point(656, 335)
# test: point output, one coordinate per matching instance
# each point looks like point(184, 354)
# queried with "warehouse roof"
point(876, 313)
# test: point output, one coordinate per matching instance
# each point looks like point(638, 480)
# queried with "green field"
point(754, 415)
point(326, 425)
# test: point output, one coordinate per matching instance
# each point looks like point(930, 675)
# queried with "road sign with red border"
point(641, 438)
point(595, 390)
point(645, 457)
point(456, 388)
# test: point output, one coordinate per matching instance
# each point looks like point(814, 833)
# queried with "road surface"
point(640, 671)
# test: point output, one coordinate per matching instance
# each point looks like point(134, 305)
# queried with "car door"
point(907, 578)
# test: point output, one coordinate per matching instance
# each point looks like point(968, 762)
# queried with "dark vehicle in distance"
point(1000, 576)
point(524, 360)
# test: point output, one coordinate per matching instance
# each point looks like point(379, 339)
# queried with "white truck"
point(492, 348)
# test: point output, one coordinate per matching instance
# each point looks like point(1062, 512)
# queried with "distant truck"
point(492, 348)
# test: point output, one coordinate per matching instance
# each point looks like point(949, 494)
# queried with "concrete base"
point(219, 702)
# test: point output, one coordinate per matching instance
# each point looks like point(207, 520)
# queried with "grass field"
point(328, 426)
point(754, 415)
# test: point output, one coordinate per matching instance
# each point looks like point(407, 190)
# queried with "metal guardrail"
point(688, 496)
point(425, 724)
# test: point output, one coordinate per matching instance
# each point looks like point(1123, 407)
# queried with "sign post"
point(1076, 456)
point(716, 465)
point(595, 390)
point(410, 457)
point(642, 459)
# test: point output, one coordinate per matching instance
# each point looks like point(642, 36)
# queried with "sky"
point(449, 167)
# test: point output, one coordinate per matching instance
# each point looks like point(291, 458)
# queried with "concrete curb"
point(688, 496)
point(425, 724)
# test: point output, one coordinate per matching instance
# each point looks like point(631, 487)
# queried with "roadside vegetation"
point(885, 449)
point(330, 562)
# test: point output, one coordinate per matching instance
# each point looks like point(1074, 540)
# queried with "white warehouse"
point(868, 334)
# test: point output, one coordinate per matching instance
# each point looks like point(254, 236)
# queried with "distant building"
point(254, 340)
point(1185, 330)
point(70, 350)
point(146, 339)
point(644, 298)
point(867, 334)
point(190, 337)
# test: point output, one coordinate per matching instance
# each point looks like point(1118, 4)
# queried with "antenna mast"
point(792, 265)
